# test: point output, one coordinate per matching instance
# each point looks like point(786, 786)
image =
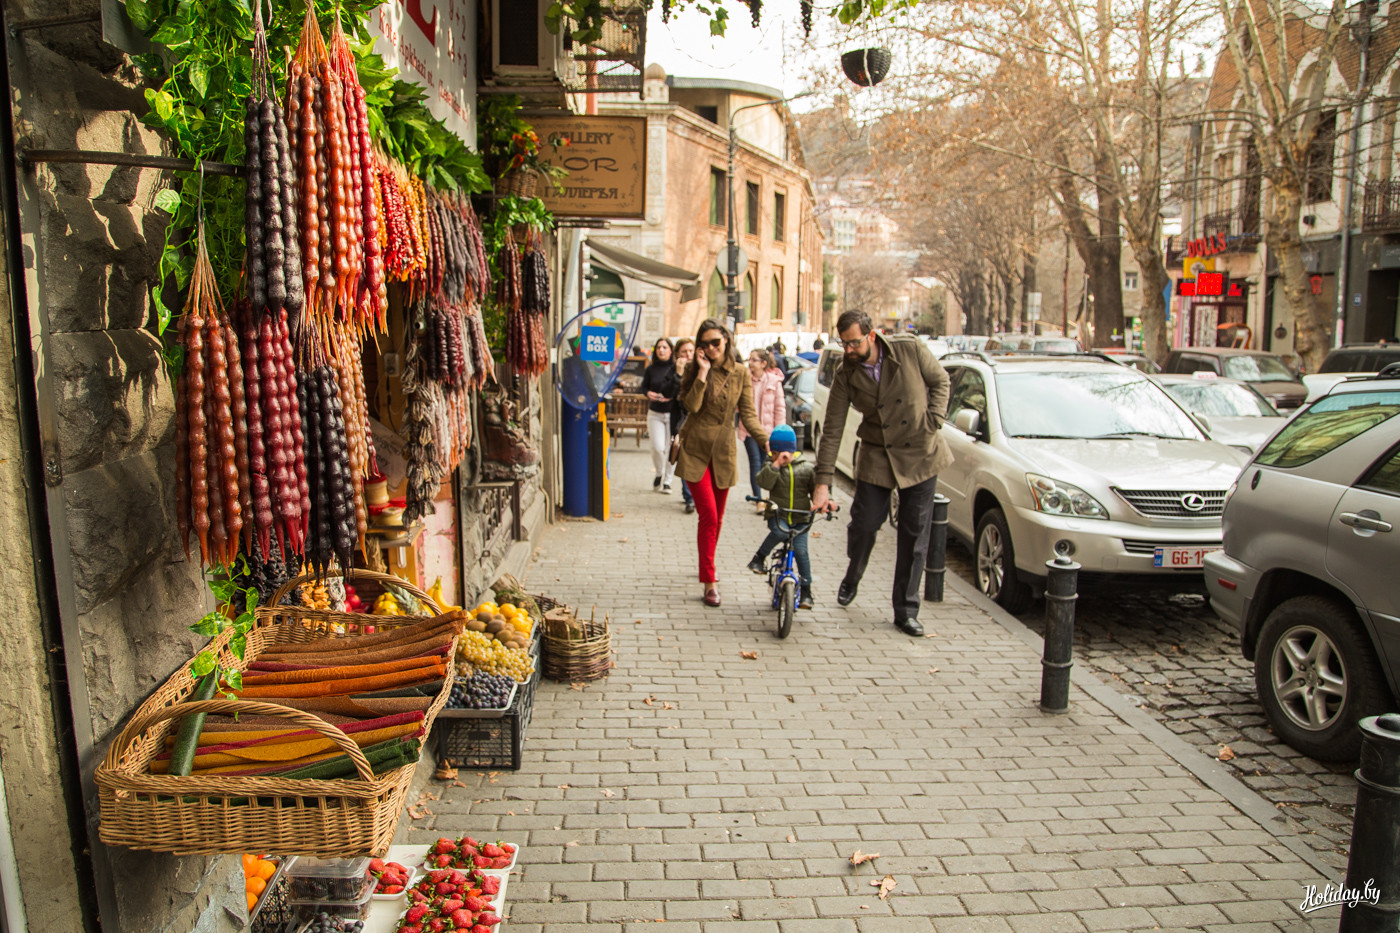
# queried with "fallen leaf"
point(933, 670)
point(667, 706)
point(791, 838)
point(426, 796)
point(510, 813)
point(650, 700)
point(1226, 753)
point(456, 784)
point(565, 786)
point(607, 792)
point(621, 540)
point(577, 686)
point(790, 698)
point(930, 634)
point(416, 812)
point(864, 906)
point(571, 843)
point(860, 858)
point(815, 534)
point(445, 773)
point(749, 655)
point(885, 884)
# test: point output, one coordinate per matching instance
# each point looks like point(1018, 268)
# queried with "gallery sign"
point(606, 158)
point(433, 44)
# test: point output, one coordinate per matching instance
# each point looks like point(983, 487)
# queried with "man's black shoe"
point(845, 593)
point(910, 627)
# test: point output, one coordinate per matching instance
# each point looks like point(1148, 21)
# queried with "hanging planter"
point(866, 67)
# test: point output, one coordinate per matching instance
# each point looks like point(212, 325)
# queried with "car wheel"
point(996, 564)
point(1317, 675)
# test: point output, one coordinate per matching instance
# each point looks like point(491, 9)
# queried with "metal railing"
point(1240, 225)
point(1380, 207)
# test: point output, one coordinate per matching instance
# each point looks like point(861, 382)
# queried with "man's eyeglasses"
point(711, 344)
point(852, 344)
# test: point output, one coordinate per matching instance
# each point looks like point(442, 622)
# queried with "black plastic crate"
point(488, 740)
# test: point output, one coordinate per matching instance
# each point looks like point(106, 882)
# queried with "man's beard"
point(855, 357)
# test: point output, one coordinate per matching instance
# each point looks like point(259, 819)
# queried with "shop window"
point(753, 208)
point(719, 195)
point(779, 216)
point(1318, 163)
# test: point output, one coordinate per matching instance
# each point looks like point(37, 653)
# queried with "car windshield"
point(803, 382)
point(1058, 345)
point(1328, 424)
point(1089, 403)
point(1221, 399)
point(1258, 369)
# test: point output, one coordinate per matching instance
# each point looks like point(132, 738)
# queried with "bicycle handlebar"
point(830, 513)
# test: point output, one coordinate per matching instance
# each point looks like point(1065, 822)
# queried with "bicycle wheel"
point(787, 606)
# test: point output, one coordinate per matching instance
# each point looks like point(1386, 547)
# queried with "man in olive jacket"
point(901, 392)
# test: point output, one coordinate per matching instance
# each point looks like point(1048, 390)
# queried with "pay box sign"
point(599, 344)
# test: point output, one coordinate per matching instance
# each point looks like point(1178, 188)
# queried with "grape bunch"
point(481, 691)
point(326, 923)
point(480, 652)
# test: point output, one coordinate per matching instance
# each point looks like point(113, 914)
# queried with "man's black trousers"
point(915, 517)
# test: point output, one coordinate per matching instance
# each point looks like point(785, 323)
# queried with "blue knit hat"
point(782, 439)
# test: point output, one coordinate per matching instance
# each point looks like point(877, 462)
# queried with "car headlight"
point(804, 415)
point(1057, 498)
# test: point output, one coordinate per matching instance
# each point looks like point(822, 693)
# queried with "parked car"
point(1308, 569)
point(827, 365)
point(1078, 457)
point(938, 345)
point(1232, 411)
point(1131, 358)
point(1357, 359)
point(798, 389)
point(1267, 372)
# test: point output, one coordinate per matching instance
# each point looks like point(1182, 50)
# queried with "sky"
point(685, 49)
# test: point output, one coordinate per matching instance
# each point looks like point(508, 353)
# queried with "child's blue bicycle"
point(782, 565)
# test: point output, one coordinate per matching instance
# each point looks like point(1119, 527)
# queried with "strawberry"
point(491, 886)
point(444, 846)
point(501, 862)
point(489, 920)
point(443, 861)
point(461, 918)
point(481, 928)
point(410, 928)
point(481, 861)
point(440, 874)
point(437, 925)
point(376, 865)
point(492, 851)
point(416, 914)
point(459, 877)
point(470, 850)
point(508, 847)
point(469, 841)
point(445, 888)
point(449, 905)
point(474, 904)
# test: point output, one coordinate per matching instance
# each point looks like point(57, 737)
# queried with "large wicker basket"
point(575, 650)
point(202, 815)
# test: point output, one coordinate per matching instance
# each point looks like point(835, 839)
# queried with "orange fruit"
point(248, 860)
point(266, 870)
point(256, 885)
point(252, 901)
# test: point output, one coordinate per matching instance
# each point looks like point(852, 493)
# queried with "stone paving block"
point(629, 871)
point(548, 912)
point(771, 908)
point(1045, 923)
point(1258, 911)
point(1116, 918)
point(606, 911)
point(715, 889)
point(700, 871)
point(700, 910)
point(1187, 915)
point(829, 925)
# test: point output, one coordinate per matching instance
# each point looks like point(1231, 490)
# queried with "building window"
point(719, 194)
point(779, 216)
point(753, 209)
point(1318, 165)
point(844, 233)
point(1130, 281)
point(710, 113)
point(745, 311)
point(715, 302)
point(775, 297)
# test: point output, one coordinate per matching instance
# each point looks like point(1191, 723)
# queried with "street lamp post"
point(731, 291)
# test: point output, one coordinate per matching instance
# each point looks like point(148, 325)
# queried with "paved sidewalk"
point(716, 793)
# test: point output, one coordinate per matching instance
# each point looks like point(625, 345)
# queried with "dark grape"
point(481, 691)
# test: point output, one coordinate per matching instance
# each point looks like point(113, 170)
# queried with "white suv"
point(1076, 456)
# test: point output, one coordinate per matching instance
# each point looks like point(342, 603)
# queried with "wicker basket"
point(519, 183)
point(575, 651)
point(196, 815)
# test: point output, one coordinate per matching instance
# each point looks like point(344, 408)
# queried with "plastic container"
point(346, 910)
point(414, 874)
point(336, 880)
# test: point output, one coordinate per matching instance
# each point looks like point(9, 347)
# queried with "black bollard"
point(1061, 585)
point(936, 560)
point(1371, 901)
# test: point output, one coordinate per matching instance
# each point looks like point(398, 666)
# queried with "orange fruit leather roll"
point(350, 685)
point(289, 751)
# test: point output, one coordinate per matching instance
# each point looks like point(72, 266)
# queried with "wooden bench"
point(627, 413)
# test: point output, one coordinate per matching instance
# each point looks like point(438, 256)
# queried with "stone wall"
point(132, 591)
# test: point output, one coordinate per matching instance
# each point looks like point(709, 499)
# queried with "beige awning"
point(636, 266)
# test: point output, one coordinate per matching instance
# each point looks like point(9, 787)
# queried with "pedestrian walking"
point(901, 392)
point(684, 353)
point(661, 384)
point(790, 480)
point(767, 382)
point(714, 387)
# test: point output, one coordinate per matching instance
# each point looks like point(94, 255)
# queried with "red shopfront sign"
point(1208, 245)
point(1214, 285)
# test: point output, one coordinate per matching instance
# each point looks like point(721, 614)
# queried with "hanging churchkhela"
point(332, 531)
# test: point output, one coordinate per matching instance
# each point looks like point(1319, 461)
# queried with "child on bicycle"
point(789, 480)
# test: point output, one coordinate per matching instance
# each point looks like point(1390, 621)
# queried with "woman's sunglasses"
point(711, 344)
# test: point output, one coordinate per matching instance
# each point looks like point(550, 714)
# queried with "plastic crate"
point(488, 740)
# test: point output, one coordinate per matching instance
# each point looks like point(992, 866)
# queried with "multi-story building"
point(690, 208)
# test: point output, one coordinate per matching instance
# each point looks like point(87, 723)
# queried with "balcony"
point(1240, 227)
point(1380, 208)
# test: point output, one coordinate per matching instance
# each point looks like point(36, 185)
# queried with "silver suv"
point(1308, 572)
point(1080, 456)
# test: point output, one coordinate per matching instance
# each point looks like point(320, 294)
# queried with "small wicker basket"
point(575, 650)
point(521, 183)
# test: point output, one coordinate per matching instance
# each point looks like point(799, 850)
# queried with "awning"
point(636, 266)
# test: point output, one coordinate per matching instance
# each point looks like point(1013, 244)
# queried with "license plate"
point(1181, 558)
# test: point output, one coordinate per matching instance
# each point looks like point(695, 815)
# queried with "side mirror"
point(1203, 422)
point(968, 421)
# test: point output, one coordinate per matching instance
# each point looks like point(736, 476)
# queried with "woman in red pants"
point(714, 387)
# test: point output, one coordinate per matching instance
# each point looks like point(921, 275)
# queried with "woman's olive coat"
point(708, 437)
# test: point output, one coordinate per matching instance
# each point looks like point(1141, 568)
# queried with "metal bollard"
point(1061, 593)
point(1371, 901)
point(936, 560)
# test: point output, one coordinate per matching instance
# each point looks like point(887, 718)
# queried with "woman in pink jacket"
point(767, 381)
